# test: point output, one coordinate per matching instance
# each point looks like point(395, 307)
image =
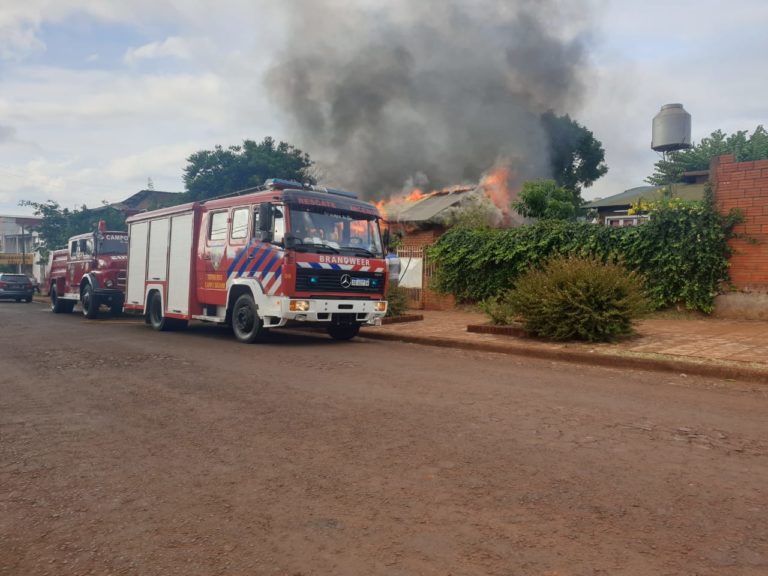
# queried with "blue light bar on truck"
point(281, 184)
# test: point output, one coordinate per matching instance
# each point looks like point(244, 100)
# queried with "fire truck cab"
point(284, 253)
point(90, 270)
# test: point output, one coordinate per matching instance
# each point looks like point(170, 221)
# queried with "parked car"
point(16, 287)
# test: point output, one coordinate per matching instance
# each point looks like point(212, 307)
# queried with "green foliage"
point(577, 299)
point(59, 224)
point(743, 147)
point(682, 253)
point(576, 157)
point(499, 309)
point(397, 301)
point(545, 200)
point(211, 173)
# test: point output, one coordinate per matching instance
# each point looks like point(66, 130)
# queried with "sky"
point(97, 98)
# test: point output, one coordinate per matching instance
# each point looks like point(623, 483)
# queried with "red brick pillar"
point(744, 185)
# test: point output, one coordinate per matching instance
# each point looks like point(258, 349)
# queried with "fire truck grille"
point(121, 279)
point(311, 280)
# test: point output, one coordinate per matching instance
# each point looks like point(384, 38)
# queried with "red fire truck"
point(90, 270)
point(283, 253)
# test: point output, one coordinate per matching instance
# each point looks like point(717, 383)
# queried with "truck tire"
point(59, 306)
point(155, 314)
point(343, 331)
point(90, 302)
point(246, 322)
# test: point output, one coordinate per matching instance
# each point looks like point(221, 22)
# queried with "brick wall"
point(744, 185)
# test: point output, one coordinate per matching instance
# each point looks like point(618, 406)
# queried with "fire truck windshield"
point(321, 230)
point(113, 244)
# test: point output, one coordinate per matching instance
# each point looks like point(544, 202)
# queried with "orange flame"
point(416, 194)
point(389, 206)
point(496, 186)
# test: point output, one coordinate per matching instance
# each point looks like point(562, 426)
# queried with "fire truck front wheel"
point(90, 302)
point(343, 331)
point(246, 322)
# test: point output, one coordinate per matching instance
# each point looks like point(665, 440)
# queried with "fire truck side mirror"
point(386, 238)
point(265, 221)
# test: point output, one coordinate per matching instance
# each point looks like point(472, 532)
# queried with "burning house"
point(420, 219)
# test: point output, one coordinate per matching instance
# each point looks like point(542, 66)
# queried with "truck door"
point(80, 257)
point(74, 247)
point(212, 271)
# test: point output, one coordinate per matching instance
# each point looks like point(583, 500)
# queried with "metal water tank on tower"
point(671, 129)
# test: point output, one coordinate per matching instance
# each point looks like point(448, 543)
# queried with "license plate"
point(360, 282)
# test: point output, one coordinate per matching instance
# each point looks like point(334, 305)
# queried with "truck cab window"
point(279, 227)
point(255, 228)
point(218, 227)
point(73, 249)
point(240, 223)
point(86, 247)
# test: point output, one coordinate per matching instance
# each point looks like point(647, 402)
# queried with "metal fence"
point(411, 259)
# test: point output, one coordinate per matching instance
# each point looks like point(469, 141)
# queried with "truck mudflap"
point(281, 311)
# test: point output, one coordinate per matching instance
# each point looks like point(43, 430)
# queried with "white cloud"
point(173, 47)
point(90, 135)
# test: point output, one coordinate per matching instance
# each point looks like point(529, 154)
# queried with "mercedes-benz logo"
point(346, 281)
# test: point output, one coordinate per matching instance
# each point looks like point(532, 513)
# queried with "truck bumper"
point(325, 311)
point(109, 294)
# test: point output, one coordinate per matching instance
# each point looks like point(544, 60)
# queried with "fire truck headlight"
point(381, 306)
point(299, 306)
point(108, 283)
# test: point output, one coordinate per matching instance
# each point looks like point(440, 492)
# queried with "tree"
point(59, 224)
point(576, 157)
point(743, 147)
point(545, 200)
point(211, 173)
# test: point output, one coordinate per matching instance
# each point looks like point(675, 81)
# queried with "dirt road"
point(126, 451)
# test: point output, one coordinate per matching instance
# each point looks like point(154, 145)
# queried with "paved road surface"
point(126, 451)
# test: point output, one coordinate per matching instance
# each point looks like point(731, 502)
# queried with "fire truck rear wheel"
point(155, 313)
point(90, 302)
point(343, 331)
point(59, 306)
point(246, 323)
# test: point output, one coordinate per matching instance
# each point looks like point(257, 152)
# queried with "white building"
point(18, 245)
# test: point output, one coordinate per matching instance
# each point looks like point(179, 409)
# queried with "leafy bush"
point(682, 253)
point(577, 299)
point(498, 309)
point(397, 301)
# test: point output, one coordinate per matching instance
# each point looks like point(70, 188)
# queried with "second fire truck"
point(264, 258)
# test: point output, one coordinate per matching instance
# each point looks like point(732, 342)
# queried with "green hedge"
point(682, 252)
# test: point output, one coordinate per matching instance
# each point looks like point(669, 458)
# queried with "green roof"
point(648, 193)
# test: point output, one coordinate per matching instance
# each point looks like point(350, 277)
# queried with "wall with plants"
point(682, 253)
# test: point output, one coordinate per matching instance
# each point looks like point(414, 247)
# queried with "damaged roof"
point(432, 205)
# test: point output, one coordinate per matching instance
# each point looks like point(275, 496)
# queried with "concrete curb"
point(402, 318)
point(720, 371)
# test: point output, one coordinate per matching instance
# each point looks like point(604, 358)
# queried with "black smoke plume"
point(430, 93)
